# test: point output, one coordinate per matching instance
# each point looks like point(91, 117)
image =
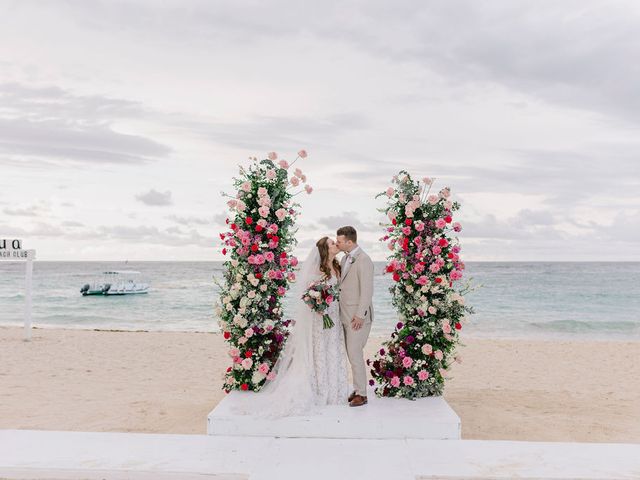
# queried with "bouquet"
point(319, 296)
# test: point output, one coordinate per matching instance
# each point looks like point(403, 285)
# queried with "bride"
point(311, 370)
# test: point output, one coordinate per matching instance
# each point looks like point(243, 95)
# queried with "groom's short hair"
point(349, 233)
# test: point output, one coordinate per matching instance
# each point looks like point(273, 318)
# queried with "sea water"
point(598, 300)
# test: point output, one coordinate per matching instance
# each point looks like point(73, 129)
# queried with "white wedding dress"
point(312, 368)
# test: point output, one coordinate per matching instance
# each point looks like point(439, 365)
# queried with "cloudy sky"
point(121, 122)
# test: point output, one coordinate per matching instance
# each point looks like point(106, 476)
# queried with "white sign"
point(11, 250)
point(17, 255)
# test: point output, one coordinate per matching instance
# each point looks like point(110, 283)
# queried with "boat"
point(116, 282)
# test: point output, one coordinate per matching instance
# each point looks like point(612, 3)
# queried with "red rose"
point(450, 255)
point(396, 277)
point(283, 255)
point(458, 326)
point(227, 221)
point(438, 280)
point(394, 221)
point(254, 248)
point(248, 354)
point(408, 222)
point(390, 268)
point(244, 387)
point(226, 335)
point(258, 276)
point(443, 242)
point(447, 219)
point(228, 369)
point(222, 236)
point(224, 251)
point(258, 228)
point(249, 220)
point(233, 226)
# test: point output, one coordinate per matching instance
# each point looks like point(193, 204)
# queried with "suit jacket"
point(356, 288)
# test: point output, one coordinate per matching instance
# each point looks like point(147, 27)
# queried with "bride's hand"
point(356, 323)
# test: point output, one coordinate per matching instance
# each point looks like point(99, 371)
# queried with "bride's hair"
point(323, 248)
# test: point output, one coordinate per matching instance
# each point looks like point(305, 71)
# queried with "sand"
point(165, 382)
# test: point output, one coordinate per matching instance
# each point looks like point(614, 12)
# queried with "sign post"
point(11, 250)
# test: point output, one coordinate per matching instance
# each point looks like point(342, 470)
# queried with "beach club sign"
point(11, 250)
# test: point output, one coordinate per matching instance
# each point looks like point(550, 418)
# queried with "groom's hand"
point(356, 323)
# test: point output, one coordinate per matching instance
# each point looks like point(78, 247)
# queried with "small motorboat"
point(116, 282)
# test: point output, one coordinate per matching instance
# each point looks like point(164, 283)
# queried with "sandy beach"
point(165, 382)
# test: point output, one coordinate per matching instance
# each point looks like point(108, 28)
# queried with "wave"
point(581, 326)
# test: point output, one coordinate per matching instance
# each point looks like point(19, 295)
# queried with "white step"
point(382, 418)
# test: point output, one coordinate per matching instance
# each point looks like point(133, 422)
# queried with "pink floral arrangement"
point(424, 263)
point(259, 269)
point(319, 297)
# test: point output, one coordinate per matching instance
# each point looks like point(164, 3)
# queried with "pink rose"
point(438, 355)
point(395, 382)
point(309, 189)
point(232, 203)
point(248, 332)
point(419, 226)
point(281, 214)
point(247, 363)
point(436, 250)
point(283, 164)
point(292, 278)
point(263, 211)
point(271, 376)
point(234, 352)
point(272, 156)
point(456, 275)
point(262, 222)
point(293, 261)
point(329, 299)
point(295, 181)
point(407, 362)
point(302, 154)
point(263, 368)
point(271, 174)
point(427, 180)
point(443, 372)
point(432, 310)
point(246, 186)
point(457, 227)
point(446, 328)
point(390, 192)
point(281, 291)
point(433, 199)
point(298, 173)
point(445, 192)
point(427, 349)
point(406, 230)
point(422, 280)
point(441, 223)
point(423, 375)
point(408, 381)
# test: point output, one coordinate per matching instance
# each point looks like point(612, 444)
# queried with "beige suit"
point(356, 296)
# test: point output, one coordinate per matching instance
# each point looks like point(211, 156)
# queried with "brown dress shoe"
point(358, 401)
point(353, 394)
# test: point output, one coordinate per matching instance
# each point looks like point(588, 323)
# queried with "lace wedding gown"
point(311, 370)
point(329, 358)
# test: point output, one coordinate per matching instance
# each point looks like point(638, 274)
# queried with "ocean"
point(555, 300)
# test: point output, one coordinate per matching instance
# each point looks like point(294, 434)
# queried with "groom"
point(356, 309)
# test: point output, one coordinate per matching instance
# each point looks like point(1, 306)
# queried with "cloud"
point(50, 125)
point(155, 198)
point(28, 211)
point(334, 222)
point(190, 220)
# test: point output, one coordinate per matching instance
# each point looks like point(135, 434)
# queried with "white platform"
point(382, 418)
point(33, 454)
